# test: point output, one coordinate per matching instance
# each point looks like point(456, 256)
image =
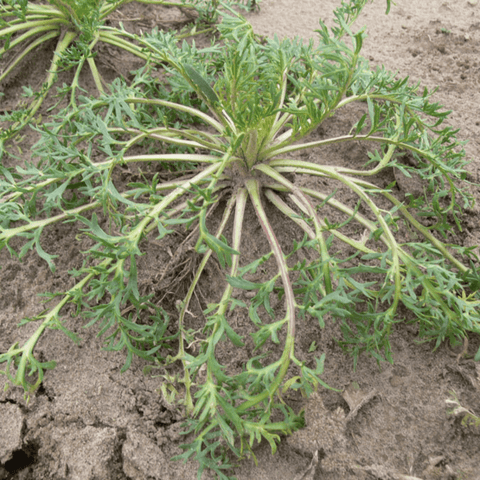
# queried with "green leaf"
point(97, 232)
point(234, 337)
point(132, 278)
point(231, 414)
point(202, 84)
point(223, 251)
point(41, 252)
point(237, 282)
point(252, 267)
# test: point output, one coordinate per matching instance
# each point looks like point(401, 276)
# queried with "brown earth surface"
point(90, 422)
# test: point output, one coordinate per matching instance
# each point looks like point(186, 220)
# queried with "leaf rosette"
point(236, 120)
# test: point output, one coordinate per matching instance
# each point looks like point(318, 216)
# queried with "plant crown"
point(229, 129)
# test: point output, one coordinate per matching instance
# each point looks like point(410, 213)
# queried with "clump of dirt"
point(88, 421)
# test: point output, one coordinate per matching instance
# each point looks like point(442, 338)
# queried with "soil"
point(89, 421)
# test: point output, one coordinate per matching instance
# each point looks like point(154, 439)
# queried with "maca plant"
point(362, 257)
point(79, 25)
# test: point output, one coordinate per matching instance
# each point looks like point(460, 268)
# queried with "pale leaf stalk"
point(93, 66)
point(309, 209)
point(252, 186)
point(64, 42)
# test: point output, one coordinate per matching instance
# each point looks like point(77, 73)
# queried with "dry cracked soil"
point(88, 421)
